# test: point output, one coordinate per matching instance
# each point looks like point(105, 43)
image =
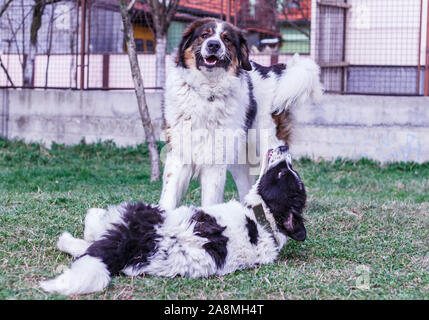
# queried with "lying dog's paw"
point(48, 286)
point(63, 242)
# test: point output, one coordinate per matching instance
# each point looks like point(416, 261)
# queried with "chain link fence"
point(362, 46)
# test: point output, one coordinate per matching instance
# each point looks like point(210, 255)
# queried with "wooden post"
point(106, 68)
point(235, 11)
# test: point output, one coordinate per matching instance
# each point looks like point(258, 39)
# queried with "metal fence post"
point(426, 90)
point(82, 45)
point(419, 51)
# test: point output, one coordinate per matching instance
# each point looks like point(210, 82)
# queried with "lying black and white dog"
point(137, 238)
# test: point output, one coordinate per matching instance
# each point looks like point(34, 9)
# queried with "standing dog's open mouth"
point(211, 61)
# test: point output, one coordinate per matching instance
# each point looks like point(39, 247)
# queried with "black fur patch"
point(252, 231)
point(131, 243)
point(241, 47)
point(277, 69)
point(252, 108)
point(207, 227)
point(284, 193)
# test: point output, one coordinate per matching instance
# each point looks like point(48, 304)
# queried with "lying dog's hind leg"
point(71, 245)
point(87, 274)
point(96, 224)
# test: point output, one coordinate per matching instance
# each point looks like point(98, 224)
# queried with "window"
point(149, 46)
point(139, 45)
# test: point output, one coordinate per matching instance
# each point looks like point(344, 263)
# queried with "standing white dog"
point(214, 93)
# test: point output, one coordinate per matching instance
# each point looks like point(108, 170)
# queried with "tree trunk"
point(38, 9)
point(140, 94)
point(161, 50)
point(29, 65)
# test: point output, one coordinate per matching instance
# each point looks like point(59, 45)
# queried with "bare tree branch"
point(156, 15)
point(301, 10)
point(13, 38)
point(5, 6)
point(285, 8)
point(6, 72)
point(298, 28)
point(171, 11)
point(131, 5)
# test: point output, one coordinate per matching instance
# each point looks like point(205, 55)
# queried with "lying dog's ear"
point(295, 228)
point(243, 53)
point(188, 37)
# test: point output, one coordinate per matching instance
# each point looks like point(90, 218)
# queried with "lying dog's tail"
point(87, 274)
point(300, 83)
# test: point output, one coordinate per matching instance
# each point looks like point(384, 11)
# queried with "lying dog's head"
point(210, 43)
point(283, 192)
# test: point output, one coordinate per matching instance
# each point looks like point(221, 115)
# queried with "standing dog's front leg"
point(175, 182)
point(212, 180)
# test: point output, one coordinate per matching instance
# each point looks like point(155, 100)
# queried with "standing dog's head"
point(283, 192)
point(210, 43)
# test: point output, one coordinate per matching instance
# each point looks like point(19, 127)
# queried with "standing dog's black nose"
point(213, 46)
point(283, 148)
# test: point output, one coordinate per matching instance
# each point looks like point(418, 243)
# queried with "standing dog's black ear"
point(243, 53)
point(188, 38)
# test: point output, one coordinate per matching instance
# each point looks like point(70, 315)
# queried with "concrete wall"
point(376, 127)
point(380, 128)
point(66, 116)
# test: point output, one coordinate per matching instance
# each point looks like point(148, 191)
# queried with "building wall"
point(294, 41)
point(380, 128)
point(174, 35)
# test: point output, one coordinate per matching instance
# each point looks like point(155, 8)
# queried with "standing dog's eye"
point(205, 35)
point(226, 39)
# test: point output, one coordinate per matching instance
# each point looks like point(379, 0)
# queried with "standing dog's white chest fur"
point(214, 93)
point(200, 107)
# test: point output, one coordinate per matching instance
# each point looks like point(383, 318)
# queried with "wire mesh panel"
point(362, 46)
point(37, 43)
point(372, 47)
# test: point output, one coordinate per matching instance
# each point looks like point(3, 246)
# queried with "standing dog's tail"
point(300, 83)
point(87, 274)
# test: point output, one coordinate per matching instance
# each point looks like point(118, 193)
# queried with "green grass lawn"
point(358, 214)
